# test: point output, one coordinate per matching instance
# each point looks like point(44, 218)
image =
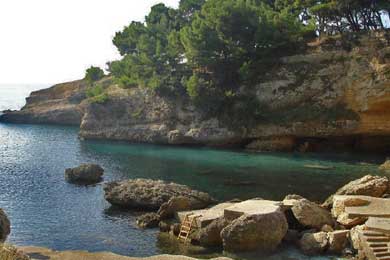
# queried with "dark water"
point(46, 211)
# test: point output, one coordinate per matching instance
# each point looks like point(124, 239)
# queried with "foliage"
point(96, 94)
point(93, 74)
point(208, 50)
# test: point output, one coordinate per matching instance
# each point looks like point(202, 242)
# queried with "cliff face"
point(59, 104)
point(327, 98)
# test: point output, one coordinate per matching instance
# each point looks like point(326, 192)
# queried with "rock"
point(149, 220)
point(175, 229)
point(385, 166)
point(8, 252)
point(327, 228)
point(374, 186)
point(292, 236)
point(5, 226)
point(211, 235)
point(314, 243)
point(85, 174)
point(311, 215)
point(342, 217)
point(255, 232)
point(164, 226)
point(181, 203)
point(355, 238)
point(338, 241)
point(150, 194)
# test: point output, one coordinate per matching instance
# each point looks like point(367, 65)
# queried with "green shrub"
point(100, 99)
point(94, 91)
point(93, 74)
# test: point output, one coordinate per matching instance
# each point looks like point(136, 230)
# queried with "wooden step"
point(383, 257)
point(372, 233)
point(376, 244)
point(382, 254)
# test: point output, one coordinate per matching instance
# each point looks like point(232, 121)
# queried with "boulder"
point(211, 235)
point(385, 166)
point(84, 174)
point(292, 236)
point(314, 243)
point(151, 194)
point(5, 226)
point(374, 186)
point(338, 241)
point(311, 215)
point(342, 217)
point(263, 231)
point(181, 203)
point(164, 226)
point(149, 220)
point(355, 238)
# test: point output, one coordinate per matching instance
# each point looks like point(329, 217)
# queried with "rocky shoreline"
point(335, 227)
point(328, 99)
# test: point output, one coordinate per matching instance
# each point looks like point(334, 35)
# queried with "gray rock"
point(374, 186)
point(150, 194)
point(84, 174)
point(262, 232)
point(5, 226)
point(314, 243)
point(311, 215)
point(149, 220)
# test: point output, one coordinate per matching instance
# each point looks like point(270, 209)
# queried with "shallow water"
point(46, 211)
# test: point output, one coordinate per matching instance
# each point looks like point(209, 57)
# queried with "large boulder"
point(310, 214)
point(255, 232)
point(84, 174)
point(374, 186)
point(5, 226)
point(151, 194)
point(210, 235)
point(181, 203)
point(314, 243)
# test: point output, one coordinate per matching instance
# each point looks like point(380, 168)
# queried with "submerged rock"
point(262, 231)
point(311, 215)
point(5, 226)
point(374, 186)
point(85, 173)
point(151, 194)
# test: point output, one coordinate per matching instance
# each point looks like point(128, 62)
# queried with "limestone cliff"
point(335, 96)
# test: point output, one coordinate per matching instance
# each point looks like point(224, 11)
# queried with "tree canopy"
point(208, 49)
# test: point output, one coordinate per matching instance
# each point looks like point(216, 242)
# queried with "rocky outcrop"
point(84, 174)
point(311, 215)
point(60, 104)
point(374, 186)
point(342, 217)
point(255, 232)
point(182, 203)
point(385, 166)
point(150, 194)
point(319, 100)
point(5, 226)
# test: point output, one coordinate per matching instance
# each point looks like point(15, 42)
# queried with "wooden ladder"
point(187, 226)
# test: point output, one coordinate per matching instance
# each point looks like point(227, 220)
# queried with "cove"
point(46, 211)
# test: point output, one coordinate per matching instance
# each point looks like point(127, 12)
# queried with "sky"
point(53, 41)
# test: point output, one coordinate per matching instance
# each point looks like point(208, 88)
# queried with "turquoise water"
point(47, 211)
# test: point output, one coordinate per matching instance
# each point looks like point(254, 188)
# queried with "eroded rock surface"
point(5, 226)
point(84, 174)
point(150, 194)
point(311, 215)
